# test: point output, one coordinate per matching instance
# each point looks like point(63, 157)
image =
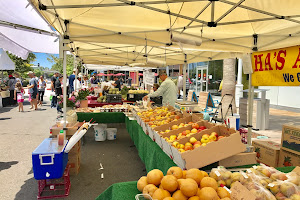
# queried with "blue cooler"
point(49, 160)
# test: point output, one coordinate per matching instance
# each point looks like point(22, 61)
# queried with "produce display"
point(194, 184)
point(178, 184)
point(193, 142)
point(158, 116)
point(106, 108)
point(101, 99)
point(114, 91)
point(194, 129)
point(138, 92)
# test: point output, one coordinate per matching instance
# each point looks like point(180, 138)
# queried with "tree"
point(229, 83)
point(22, 66)
point(58, 64)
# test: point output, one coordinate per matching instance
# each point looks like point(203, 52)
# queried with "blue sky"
point(42, 59)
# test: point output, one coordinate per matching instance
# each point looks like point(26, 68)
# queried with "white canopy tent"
point(23, 30)
point(122, 32)
point(5, 62)
point(114, 67)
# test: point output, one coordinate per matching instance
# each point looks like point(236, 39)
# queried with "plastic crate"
point(157, 100)
point(135, 97)
point(114, 98)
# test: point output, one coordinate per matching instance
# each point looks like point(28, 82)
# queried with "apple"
point(205, 138)
point(220, 137)
point(181, 150)
point(174, 127)
point(193, 140)
point(180, 126)
point(167, 131)
point(197, 142)
point(181, 146)
point(188, 131)
point(214, 133)
point(184, 133)
point(188, 144)
point(190, 122)
point(212, 138)
point(197, 145)
point(173, 137)
point(194, 130)
point(185, 125)
point(195, 126)
point(186, 148)
point(175, 144)
point(202, 127)
point(203, 144)
point(199, 130)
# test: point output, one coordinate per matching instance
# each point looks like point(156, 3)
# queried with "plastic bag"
point(285, 190)
point(250, 181)
point(270, 172)
point(225, 177)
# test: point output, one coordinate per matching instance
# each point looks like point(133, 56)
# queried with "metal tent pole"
point(184, 78)
point(65, 89)
point(250, 110)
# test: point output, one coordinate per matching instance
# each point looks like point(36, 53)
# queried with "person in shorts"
point(33, 89)
point(41, 90)
point(19, 95)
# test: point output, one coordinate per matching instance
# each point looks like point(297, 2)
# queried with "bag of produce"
point(285, 190)
point(224, 177)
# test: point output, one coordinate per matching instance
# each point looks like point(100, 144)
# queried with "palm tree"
point(229, 81)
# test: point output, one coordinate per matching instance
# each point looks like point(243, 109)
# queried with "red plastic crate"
point(55, 188)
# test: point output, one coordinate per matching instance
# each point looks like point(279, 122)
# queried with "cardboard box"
point(240, 192)
point(267, 152)
point(287, 158)
point(239, 160)
point(212, 152)
point(74, 162)
point(54, 130)
point(290, 139)
point(186, 119)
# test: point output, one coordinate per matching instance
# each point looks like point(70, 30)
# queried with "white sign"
point(149, 78)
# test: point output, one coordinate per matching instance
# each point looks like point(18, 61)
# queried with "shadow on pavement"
point(6, 109)
point(7, 165)
point(29, 190)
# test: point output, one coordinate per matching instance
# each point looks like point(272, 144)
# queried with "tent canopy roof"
point(239, 26)
point(5, 62)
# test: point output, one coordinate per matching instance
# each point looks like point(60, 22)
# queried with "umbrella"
point(108, 74)
point(140, 74)
point(101, 74)
point(119, 74)
point(155, 74)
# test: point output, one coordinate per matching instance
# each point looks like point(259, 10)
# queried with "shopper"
point(11, 84)
point(58, 91)
point(117, 83)
point(33, 89)
point(17, 76)
point(54, 98)
point(167, 90)
point(155, 87)
point(41, 90)
point(129, 80)
point(71, 80)
point(19, 95)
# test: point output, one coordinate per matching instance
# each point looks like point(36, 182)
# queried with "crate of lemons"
point(178, 184)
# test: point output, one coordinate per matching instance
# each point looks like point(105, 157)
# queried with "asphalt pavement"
point(22, 132)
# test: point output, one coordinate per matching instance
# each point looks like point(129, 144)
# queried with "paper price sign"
point(279, 67)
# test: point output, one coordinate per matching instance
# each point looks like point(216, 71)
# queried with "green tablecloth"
point(103, 117)
point(149, 152)
point(127, 190)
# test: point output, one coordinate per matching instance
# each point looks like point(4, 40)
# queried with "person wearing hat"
point(54, 98)
point(32, 89)
point(167, 90)
point(11, 84)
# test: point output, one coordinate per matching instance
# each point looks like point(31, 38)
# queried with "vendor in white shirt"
point(167, 90)
point(77, 84)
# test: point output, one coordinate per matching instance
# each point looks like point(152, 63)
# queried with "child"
point(19, 95)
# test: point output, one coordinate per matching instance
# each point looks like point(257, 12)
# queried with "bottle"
point(61, 138)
